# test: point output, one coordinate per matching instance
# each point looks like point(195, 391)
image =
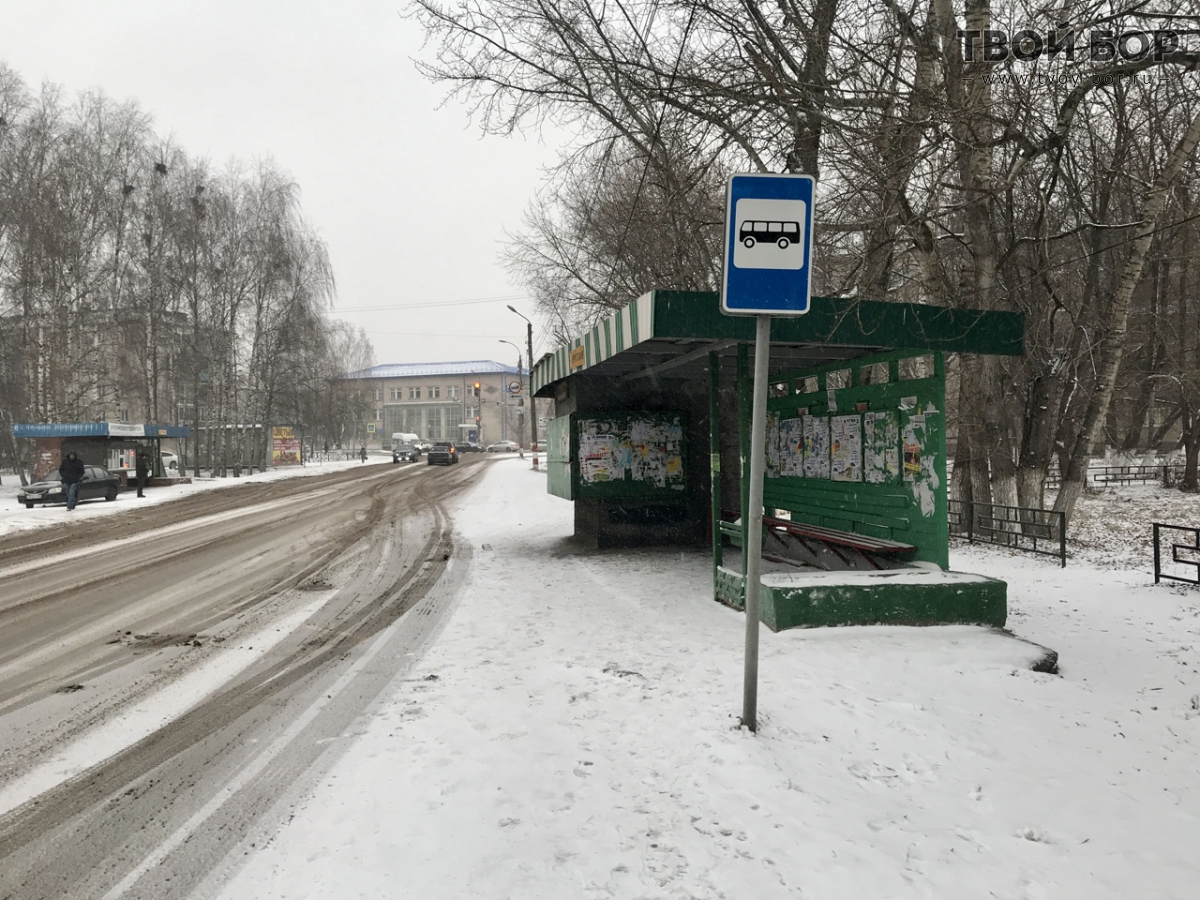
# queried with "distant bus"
point(781, 234)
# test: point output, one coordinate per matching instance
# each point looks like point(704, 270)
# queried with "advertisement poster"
point(791, 448)
point(881, 447)
point(285, 446)
point(597, 461)
point(640, 450)
point(845, 448)
point(816, 447)
point(772, 445)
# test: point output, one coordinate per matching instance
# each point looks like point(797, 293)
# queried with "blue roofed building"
point(440, 402)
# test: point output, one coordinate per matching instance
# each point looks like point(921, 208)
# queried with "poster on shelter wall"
point(772, 444)
point(597, 461)
point(845, 448)
point(649, 451)
point(881, 447)
point(914, 448)
point(285, 446)
point(791, 447)
point(919, 469)
point(816, 447)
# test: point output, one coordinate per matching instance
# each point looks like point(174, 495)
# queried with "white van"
point(404, 437)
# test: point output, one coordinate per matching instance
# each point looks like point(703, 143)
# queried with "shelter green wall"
point(908, 506)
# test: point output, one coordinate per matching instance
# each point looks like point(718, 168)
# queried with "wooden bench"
point(835, 539)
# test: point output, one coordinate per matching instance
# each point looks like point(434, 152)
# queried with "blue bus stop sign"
point(768, 245)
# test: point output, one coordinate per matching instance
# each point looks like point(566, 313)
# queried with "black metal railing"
point(1017, 527)
point(1168, 473)
point(1191, 552)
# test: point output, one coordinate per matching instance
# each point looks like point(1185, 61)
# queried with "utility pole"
point(529, 393)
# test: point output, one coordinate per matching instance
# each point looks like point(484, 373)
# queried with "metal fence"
point(1191, 552)
point(1017, 527)
point(1168, 473)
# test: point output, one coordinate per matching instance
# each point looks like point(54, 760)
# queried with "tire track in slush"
point(96, 661)
point(76, 832)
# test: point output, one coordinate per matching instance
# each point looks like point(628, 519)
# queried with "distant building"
point(439, 402)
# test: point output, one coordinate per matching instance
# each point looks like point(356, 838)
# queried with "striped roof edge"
point(99, 429)
point(831, 321)
point(411, 370)
point(626, 327)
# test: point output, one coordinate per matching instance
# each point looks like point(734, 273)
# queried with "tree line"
point(138, 283)
point(1063, 186)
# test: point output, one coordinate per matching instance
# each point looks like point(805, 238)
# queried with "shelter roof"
point(99, 429)
point(670, 334)
point(410, 370)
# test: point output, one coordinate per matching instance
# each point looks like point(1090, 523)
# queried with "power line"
point(430, 304)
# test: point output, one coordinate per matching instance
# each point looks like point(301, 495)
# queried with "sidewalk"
point(573, 733)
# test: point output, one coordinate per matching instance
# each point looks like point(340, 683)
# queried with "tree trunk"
point(1113, 341)
point(972, 476)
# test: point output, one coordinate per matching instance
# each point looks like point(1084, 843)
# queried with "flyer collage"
point(647, 450)
point(859, 447)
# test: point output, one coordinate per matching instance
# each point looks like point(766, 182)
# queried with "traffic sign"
point(514, 387)
point(768, 245)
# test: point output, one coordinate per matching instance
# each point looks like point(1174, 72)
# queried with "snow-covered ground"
point(573, 733)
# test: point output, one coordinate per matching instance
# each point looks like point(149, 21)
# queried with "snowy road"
point(108, 789)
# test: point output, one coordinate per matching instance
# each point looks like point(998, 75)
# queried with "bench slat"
point(835, 536)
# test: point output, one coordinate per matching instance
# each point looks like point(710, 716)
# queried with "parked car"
point(443, 453)
point(170, 463)
point(97, 483)
point(503, 447)
point(468, 447)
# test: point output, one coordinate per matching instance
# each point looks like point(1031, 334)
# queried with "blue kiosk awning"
point(99, 429)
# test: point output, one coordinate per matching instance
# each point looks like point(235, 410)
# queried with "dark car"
point(404, 452)
point(97, 483)
point(468, 447)
point(443, 453)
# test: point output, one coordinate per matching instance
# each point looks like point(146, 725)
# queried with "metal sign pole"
point(753, 527)
point(767, 272)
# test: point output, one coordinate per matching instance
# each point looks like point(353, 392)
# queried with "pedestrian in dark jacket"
point(363, 452)
point(141, 469)
point(71, 473)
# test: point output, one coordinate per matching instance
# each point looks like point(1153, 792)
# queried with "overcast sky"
point(412, 201)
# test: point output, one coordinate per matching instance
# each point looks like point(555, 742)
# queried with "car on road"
point(443, 453)
point(405, 452)
point(503, 447)
point(98, 483)
point(423, 445)
point(468, 447)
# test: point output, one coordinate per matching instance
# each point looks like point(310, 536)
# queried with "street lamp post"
point(518, 349)
point(532, 404)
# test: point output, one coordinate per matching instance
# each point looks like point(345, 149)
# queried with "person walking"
point(364, 454)
point(71, 473)
point(141, 469)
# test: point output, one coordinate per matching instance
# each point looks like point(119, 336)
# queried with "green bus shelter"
point(650, 440)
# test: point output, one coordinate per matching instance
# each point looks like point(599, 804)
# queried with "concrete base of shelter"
point(916, 595)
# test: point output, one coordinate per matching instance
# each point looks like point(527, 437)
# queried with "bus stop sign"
point(768, 245)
